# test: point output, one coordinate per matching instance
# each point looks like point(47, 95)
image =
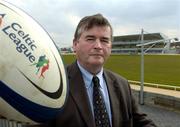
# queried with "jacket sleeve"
point(131, 116)
point(139, 119)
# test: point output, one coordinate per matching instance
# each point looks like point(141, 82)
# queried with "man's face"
point(93, 47)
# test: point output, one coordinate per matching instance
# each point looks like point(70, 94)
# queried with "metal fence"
point(10, 123)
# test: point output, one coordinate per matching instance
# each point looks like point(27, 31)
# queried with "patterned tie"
point(100, 112)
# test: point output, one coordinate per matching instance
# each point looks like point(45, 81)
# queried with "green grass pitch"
point(160, 69)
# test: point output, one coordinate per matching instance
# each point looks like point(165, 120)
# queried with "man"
point(92, 45)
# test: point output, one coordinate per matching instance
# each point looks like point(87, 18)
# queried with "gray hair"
point(88, 22)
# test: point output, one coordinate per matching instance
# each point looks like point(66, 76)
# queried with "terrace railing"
point(170, 87)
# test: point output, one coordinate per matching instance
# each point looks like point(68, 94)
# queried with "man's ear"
point(74, 44)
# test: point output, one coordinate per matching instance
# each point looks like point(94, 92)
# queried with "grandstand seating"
point(127, 44)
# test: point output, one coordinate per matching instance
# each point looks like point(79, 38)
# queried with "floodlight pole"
point(141, 99)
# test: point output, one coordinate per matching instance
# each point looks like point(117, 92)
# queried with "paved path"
point(161, 116)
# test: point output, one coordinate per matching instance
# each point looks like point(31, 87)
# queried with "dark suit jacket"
point(77, 110)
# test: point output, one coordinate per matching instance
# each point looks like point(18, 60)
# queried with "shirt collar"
point(88, 76)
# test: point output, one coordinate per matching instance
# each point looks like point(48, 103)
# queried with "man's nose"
point(98, 44)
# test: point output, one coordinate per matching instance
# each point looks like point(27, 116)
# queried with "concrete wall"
point(158, 99)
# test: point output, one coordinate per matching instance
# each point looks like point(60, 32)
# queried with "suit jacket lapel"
point(114, 99)
point(78, 91)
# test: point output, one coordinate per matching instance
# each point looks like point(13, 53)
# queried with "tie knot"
point(96, 81)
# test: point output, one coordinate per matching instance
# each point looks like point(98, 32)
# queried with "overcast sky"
point(60, 17)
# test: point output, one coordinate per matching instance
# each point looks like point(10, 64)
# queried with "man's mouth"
point(96, 54)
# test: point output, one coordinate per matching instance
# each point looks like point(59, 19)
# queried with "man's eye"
point(90, 39)
point(105, 41)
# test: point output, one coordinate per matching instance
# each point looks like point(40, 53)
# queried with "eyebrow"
point(92, 36)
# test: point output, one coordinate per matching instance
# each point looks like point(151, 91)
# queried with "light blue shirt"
point(87, 77)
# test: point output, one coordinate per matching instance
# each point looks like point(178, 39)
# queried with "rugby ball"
point(33, 82)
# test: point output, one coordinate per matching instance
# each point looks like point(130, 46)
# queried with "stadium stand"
point(127, 44)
